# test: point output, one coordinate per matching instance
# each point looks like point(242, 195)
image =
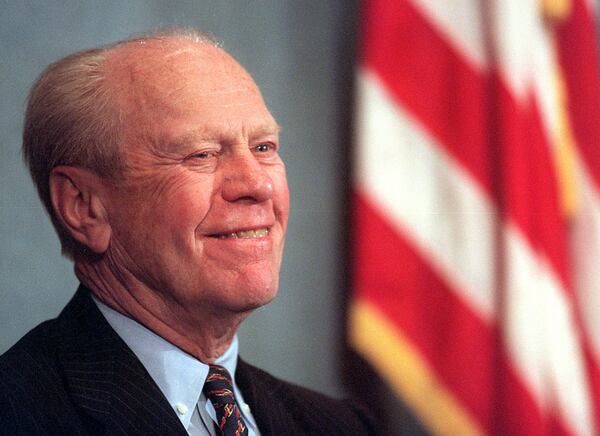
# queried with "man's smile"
point(243, 234)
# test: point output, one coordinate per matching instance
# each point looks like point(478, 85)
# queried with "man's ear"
point(76, 195)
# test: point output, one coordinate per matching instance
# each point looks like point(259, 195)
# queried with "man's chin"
point(257, 300)
point(256, 288)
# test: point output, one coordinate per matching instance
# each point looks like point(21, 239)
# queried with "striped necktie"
point(219, 390)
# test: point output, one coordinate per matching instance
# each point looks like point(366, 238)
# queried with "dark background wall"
point(300, 55)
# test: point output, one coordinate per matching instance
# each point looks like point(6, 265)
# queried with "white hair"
point(72, 118)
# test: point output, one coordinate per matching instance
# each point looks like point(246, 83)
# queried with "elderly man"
point(158, 163)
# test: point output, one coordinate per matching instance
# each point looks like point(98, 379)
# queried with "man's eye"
point(264, 147)
point(203, 155)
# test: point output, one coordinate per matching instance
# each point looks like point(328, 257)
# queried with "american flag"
point(476, 212)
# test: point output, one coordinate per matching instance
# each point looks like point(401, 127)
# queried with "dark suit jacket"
point(74, 375)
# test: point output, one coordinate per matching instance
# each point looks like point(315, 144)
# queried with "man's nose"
point(245, 179)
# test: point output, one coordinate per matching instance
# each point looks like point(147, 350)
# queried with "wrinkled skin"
point(202, 162)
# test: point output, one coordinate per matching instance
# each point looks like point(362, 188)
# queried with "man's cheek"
point(189, 209)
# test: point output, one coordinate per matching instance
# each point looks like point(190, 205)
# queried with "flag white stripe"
point(460, 23)
point(432, 201)
point(585, 246)
point(526, 57)
point(542, 334)
point(528, 63)
point(448, 218)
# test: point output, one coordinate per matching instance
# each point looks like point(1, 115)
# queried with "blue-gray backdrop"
point(299, 53)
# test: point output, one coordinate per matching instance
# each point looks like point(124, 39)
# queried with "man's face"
point(201, 216)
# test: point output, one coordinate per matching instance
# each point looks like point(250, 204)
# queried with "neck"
point(197, 329)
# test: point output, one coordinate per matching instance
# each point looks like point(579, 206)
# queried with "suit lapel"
point(105, 379)
point(261, 392)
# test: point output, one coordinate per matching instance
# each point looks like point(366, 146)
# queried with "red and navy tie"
point(219, 390)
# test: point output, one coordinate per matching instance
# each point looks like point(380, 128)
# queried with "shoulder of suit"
point(315, 409)
point(317, 403)
point(30, 379)
point(33, 351)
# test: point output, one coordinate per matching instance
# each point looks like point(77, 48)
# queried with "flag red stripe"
point(500, 141)
point(464, 351)
point(577, 53)
point(526, 186)
point(576, 37)
point(429, 79)
point(473, 116)
point(594, 378)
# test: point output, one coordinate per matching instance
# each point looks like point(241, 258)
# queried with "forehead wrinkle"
point(227, 132)
point(226, 91)
point(135, 68)
point(151, 81)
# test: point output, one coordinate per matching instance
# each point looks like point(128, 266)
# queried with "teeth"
point(260, 233)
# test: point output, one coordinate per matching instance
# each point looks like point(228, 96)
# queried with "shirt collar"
point(179, 375)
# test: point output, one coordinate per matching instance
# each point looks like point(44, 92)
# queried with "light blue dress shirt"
point(179, 376)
